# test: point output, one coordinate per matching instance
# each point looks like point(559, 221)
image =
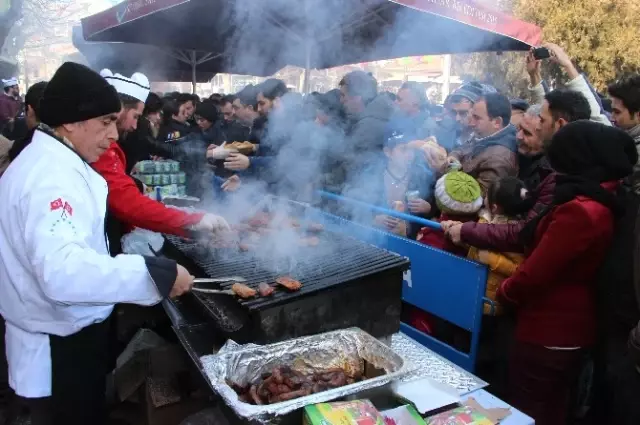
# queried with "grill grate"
point(336, 260)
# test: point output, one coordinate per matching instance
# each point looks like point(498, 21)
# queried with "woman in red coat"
point(553, 290)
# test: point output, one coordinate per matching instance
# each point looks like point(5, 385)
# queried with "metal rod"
point(412, 218)
point(213, 291)
point(194, 79)
point(307, 51)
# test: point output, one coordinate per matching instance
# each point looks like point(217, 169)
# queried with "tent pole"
point(446, 80)
point(307, 59)
point(194, 79)
point(307, 70)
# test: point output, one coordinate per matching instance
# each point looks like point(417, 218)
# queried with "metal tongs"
point(236, 279)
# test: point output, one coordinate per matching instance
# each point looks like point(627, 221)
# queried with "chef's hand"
point(237, 162)
point(182, 284)
point(387, 222)
point(231, 184)
point(454, 233)
point(212, 223)
point(419, 206)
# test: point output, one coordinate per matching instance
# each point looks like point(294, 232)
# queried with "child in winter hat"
point(457, 193)
point(459, 198)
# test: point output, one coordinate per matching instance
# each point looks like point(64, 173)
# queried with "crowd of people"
point(542, 190)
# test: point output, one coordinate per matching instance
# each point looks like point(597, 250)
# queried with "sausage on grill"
point(243, 291)
point(266, 290)
point(289, 283)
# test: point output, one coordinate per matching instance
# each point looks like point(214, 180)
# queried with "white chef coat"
point(56, 274)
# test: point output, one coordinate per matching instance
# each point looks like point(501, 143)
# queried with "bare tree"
point(8, 20)
point(37, 24)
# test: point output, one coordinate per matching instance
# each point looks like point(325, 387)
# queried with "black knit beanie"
point(594, 151)
point(77, 93)
point(207, 110)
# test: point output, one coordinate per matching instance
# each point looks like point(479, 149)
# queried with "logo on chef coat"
point(65, 216)
point(66, 207)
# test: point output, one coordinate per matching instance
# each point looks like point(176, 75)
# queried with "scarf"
point(586, 154)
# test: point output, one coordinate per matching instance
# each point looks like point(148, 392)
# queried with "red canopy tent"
point(253, 36)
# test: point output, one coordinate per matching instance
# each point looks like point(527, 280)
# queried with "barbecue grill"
point(346, 283)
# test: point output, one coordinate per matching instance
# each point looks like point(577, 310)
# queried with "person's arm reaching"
point(132, 207)
point(536, 88)
point(577, 82)
point(553, 255)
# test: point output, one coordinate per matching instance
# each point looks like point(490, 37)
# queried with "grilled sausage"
point(292, 395)
point(338, 380)
point(246, 247)
point(253, 392)
point(319, 387)
point(277, 375)
point(272, 388)
point(265, 289)
point(289, 283)
point(237, 387)
point(315, 227)
point(310, 241)
point(263, 388)
point(243, 291)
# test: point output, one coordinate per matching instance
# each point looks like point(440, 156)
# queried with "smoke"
point(258, 37)
point(325, 34)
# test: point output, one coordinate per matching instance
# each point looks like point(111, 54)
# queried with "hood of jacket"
point(380, 108)
point(505, 137)
point(635, 133)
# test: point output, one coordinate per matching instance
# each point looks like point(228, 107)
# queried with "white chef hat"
point(13, 81)
point(137, 86)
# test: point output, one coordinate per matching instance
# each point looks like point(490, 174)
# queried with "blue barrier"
point(438, 282)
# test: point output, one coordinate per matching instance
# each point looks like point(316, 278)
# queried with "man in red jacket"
point(127, 205)
point(9, 101)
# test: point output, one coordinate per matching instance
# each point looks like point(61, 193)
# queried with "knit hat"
point(472, 91)
point(137, 86)
point(13, 81)
point(577, 149)
point(519, 104)
point(458, 193)
point(207, 110)
point(77, 93)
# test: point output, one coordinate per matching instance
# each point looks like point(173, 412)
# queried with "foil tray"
point(347, 349)
point(431, 365)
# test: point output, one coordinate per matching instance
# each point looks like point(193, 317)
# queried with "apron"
point(79, 367)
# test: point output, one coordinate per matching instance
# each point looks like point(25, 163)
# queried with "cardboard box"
point(403, 415)
point(470, 413)
point(358, 412)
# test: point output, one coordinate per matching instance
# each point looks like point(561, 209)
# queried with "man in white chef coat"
point(58, 282)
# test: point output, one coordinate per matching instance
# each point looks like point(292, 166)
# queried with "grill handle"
point(407, 217)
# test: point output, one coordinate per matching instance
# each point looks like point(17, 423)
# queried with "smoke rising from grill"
point(256, 36)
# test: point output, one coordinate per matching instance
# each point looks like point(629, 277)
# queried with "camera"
point(540, 53)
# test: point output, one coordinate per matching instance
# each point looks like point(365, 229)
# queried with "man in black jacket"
point(532, 163)
point(368, 114)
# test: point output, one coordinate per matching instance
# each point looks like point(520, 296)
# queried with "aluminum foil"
point(430, 365)
point(347, 349)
